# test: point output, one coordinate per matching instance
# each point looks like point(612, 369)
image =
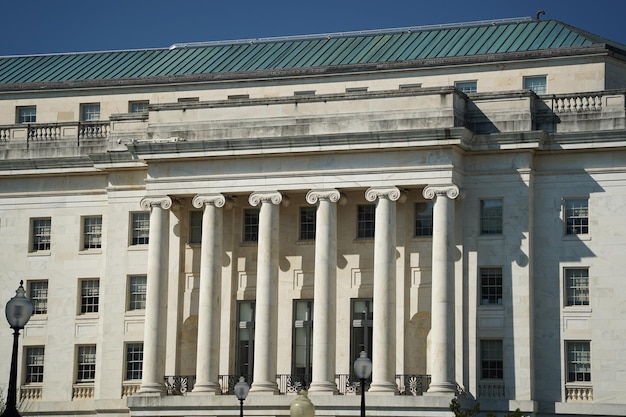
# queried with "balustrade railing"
point(491, 390)
point(577, 103)
point(291, 384)
point(578, 393)
point(179, 385)
point(82, 392)
point(47, 132)
point(129, 388)
point(413, 384)
point(30, 392)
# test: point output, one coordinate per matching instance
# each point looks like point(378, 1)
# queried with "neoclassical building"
point(446, 199)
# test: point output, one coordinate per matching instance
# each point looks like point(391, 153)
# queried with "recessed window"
point(38, 294)
point(89, 111)
point(137, 292)
point(578, 361)
point(195, 227)
point(86, 364)
point(304, 93)
point(356, 90)
point(536, 84)
point(26, 114)
point(251, 225)
point(245, 339)
point(409, 86)
point(576, 216)
point(424, 219)
point(34, 365)
point(361, 328)
point(491, 217)
point(466, 86)
point(188, 99)
point(89, 295)
point(139, 106)
point(491, 359)
point(40, 234)
point(92, 232)
point(490, 286)
point(239, 96)
point(307, 222)
point(140, 228)
point(366, 218)
point(302, 358)
point(134, 361)
point(577, 286)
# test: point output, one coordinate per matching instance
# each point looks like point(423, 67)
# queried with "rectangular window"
point(27, 114)
point(188, 99)
point(134, 361)
point(424, 218)
point(578, 362)
point(466, 86)
point(577, 286)
point(302, 358)
point(89, 111)
point(245, 339)
point(38, 294)
point(536, 84)
point(86, 364)
point(362, 324)
point(366, 217)
point(195, 227)
point(490, 217)
point(304, 93)
point(140, 228)
point(40, 234)
point(34, 365)
point(137, 292)
point(140, 106)
point(92, 232)
point(307, 222)
point(251, 225)
point(490, 286)
point(577, 216)
point(491, 359)
point(89, 295)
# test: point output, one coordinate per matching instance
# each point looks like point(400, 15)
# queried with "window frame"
point(491, 225)
point(574, 293)
point(88, 235)
point(135, 295)
point(25, 114)
point(89, 296)
point(467, 86)
point(250, 229)
point(572, 363)
point(365, 221)
point(540, 88)
point(133, 366)
point(90, 112)
point(85, 365)
point(363, 319)
point(40, 241)
point(36, 297)
point(491, 293)
point(139, 228)
point(244, 366)
point(423, 219)
point(579, 225)
point(307, 222)
point(138, 106)
point(491, 359)
point(302, 328)
point(34, 364)
point(195, 227)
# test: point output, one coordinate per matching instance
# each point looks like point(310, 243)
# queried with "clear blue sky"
point(46, 26)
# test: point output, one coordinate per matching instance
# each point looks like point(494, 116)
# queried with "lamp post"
point(18, 311)
point(363, 370)
point(241, 392)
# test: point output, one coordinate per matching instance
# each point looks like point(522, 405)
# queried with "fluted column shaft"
point(324, 312)
point(154, 327)
point(442, 321)
point(207, 363)
point(266, 323)
point(383, 355)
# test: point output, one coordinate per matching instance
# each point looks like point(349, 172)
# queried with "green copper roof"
point(339, 51)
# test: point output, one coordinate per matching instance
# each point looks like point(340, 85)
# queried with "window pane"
point(577, 217)
point(41, 234)
point(251, 225)
point(92, 232)
point(137, 292)
point(89, 295)
point(302, 340)
point(491, 359)
point(195, 227)
point(307, 222)
point(38, 294)
point(490, 217)
point(140, 228)
point(27, 114)
point(466, 86)
point(536, 84)
point(90, 112)
point(86, 364)
point(34, 364)
point(138, 106)
point(577, 285)
point(134, 361)
point(361, 338)
point(578, 362)
point(424, 219)
point(491, 286)
point(245, 340)
point(366, 216)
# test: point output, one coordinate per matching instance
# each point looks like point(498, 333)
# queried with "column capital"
point(374, 193)
point(273, 197)
point(331, 195)
point(200, 200)
point(163, 202)
point(449, 190)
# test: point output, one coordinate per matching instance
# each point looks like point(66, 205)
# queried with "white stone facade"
point(499, 167)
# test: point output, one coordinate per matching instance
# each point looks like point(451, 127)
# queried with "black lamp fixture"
point(241, 392)
point(18, 311)
point(363, 370)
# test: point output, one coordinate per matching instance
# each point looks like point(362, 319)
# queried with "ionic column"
point(155, 319)
point(442, 319)
point(266, 323)
point(324, 290)
point(383, 355)
point(207, 362)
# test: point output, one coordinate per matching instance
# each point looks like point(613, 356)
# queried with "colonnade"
point(323, 371)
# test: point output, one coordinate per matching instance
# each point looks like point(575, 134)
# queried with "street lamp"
point(18, 311)
point(363, 370)
point(241, 392)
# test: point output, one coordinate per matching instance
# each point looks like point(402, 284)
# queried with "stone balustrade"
point(577, 103)
point(82, 391)
point(578, 393)
point(30, 392)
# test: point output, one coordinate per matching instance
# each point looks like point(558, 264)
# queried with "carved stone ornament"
point(313, 196)
point(157, 201)
point(374, 193)
point(273, 197)
point(450, 190)
point(200, 200)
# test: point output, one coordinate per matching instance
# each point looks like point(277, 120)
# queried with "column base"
point(442, 388)
point(151, 389)
point(383, 388)
point(323, 388)
point(264, 387)
point(207, 388)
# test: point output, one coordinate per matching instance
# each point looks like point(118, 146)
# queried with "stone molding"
point(217, 200)
point(163, 202)
point(273, 197)
point(449, 190)
point(331, 195)
point(374, 193)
